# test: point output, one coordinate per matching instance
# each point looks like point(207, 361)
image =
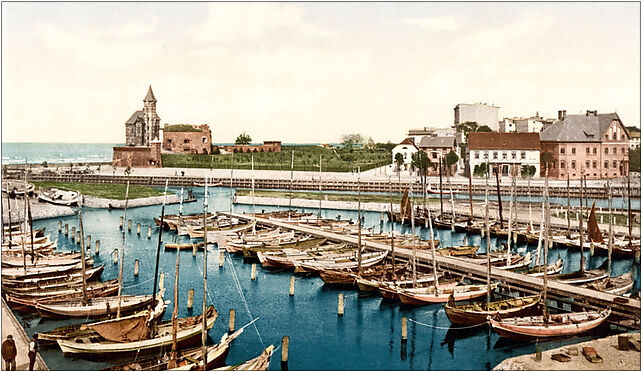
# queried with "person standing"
point(9, 353)
point(33, 351)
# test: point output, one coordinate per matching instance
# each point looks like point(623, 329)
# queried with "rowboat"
point(287, 257)
point(54, 259)
point(516, 262)
point(551, 269)
point(458, 251)
point(341, 263)
point(19, 288)
point(157, 337)
point(389, 289)
point(578, 277)
point(98, 307)
point(20, 273)
point(350, 277)
point(559, 325)
point(477, 313)
point(29, 304)
point(59, 291)
point(260, 363)
point(427, 296)
point(617, 285)
point(60, 197)
point(33, 284)
point(17, 187)
point(16, 231)
point(214, 231)
point(183, 246)
point(307, 242)
point(18, 239)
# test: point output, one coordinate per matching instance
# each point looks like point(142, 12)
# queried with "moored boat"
point(58, 196)
point(477, 313)
point(427, 296)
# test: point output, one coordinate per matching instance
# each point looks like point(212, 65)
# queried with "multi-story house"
point(437, 148)
point(406, 148)
point(634, 142)
point(591, 144)
point(509, 152)
point(481, 113)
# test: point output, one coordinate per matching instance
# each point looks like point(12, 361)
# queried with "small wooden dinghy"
point(260, 363)
point(341, 263)
point(189, 330)
point(29, 304)
point(306, 242)
point(551, 269)
point(289, 257)
point(33, 284)
point(516, 262)
point(60, 291)
point(427, 296)
point(559, 325)
point(17, 187)
point(60, 197)
point(577, 277)
point(617, 285)
point(55, 259)
point(477, 313)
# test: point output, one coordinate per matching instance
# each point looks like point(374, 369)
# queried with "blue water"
point(367, 337)
point(15, 152)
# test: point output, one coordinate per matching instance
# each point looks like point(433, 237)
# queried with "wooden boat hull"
point(466, 317)
point(418, 299)
point(99, 307)
point(527, 329)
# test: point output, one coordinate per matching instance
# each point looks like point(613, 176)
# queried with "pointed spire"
point(150, 95)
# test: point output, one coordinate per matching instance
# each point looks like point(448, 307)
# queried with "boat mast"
point(547, 240)
point(452, 203)
point(320, 174)
point(568, 206)
point(414, 248)
point(231, 182)
point(510, 219)
point(24, 230)
point(432, 245)
point(470, 193)
point(10, 224)
point(33, 255)
point(538, 257)
point(82, 256)
point(610, 246)
point(441, 191)
point(172, 356)
point(392, 232)
point(581, 222)
point(628, 178)
point(253, 212)
point(122, 249)
point(204, 316)
point(487, 226)
point(499, 199)
point(160, 236)
point(530, 209)
point(359, 225)
point(291, 180)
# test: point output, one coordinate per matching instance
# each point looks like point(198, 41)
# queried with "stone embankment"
point(11, 326)
point(93, 202)
point(614, 359)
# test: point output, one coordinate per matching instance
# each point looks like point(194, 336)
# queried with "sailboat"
point(260, 363)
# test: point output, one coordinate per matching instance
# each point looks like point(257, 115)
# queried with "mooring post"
point(115, 256)
point(285, 343)
point(66, 229)
point(161, 281)
point(97, 246)
point(190, 298)
point(59, 225)
point(194, 248)
point(73, 233)
point(292, 286)
point(221, 259)
point(136, 268)
point(138, 229)
point(253, 274)
point(340, 309)
point(120, 225)
point(404, 330)
point(129, 225)
point(88, 241)
point(149, 232)
point(78, 238)
point(231, 326)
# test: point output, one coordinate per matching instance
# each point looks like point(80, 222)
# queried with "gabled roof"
point(503, 141)
point(579, 128)
point(444, 142)
point(408, 141)
point(135, 116)
point(150, 95)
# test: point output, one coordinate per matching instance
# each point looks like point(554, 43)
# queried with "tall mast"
point(470, 193)
point(253, 213)
point(547, 239)
point(24, 229)
point(82, 257)
point(487, 227)
point(231, 182)
point(122, 249)
point(204, 316)
point(434, 260)
point(291, 180)
point(510, 219)
point(452, 203)
point(160, 236)
point(414, 248)
point(538, 255)
point(33, 255)
point(568, 205)
point(172, 357)
point(359, 225)
point(610, 246)
point(530, 209)
point(499, 199)
point(392, 231)
point(628, 179)
point(10, 225)
point(582, 259)
point(441, 190)
point(320, 174)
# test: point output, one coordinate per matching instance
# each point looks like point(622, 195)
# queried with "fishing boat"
point(19, 239)
point(32, 272)
point(183, 246)
point(477, 313)
point(351, 277)
point(580, 277)
point(33, 284)
point(388, 289)
point(616, 285)
point(57, 291)
point(29, 304)
point(40, 260)
point(153, 338)
point(303, 243)
point(427, 296)
point(287, 257)
point(350, 261)
point(559, 325)
point(17, 187)
point(98, 307)
point(260, 363)
point(58, 196)
point(458, 251)
point(213, 232)
point(516, 262)
point(551, 269)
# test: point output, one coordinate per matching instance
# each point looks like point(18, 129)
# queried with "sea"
point(367, 337)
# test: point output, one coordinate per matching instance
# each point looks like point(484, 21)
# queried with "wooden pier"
point(564, 293)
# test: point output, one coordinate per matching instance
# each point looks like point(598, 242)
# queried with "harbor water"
point(367, 337)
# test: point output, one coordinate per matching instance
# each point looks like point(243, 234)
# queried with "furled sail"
point(595, 235)
point(406, 206)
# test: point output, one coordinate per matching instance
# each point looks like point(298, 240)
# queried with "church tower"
point(152, 120)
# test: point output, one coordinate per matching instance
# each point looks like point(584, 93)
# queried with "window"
point(623, 151)
point(186, 141)
point(588, 151)
point(606, 150)
point(523, 155)
point(562, 150)
point(434, 155)
point(614, 164)
point(594, 164)
point(573, 164)
point(594, 150)
point(573, 151)
point(606, 164)
point(169, 141)
point(562, 165)
point(514, 155)
point(622, 137)
point(504, 155)
point(486, 155)
point(476, 154)
point(588, 164)
point(204, 139)
point(495, 155)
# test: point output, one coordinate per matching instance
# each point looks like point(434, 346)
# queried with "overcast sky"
point(309, 72)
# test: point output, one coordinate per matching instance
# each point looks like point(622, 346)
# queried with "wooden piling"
point(138, 229)
point(88, 241)
point(115, 256)
point(149, 232)
point(78, 238)
point(231, 326)
point(482, 233)
point(404, 329)
point(120, 225)
point(73, 233)
point(129, 225)
point(253, 275)
point(194, 248)
point(97, 246)
point(285, 342)
point(221, 259)
point(59, 226)
point(340, 309)
point(136, 268)
point(292, 286)
point(161, 281)
point(190, 298)
point(66, 229)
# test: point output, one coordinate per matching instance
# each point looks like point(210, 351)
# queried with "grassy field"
point(104, 190)
point(306, 158)
point(396, 199)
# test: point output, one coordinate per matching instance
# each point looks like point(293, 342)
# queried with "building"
point(144, 125)
point(508, 151)
point(634, 142)
point(437, 148)
point(481, 113)
point(187, 139)
point(507, 125)
point(533, 124)
point(593, 144)
point(142, 138)
point(267, 146)
point(407, 148)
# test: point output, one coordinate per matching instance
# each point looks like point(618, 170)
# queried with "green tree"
point(546, 158)
point(467, 127)
point(243, 139)
point(421, 162)
point(351, 141)
point(451, 159)
point(399, 161)
point(634, 160)
point(484, 128)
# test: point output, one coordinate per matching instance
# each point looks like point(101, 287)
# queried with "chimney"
point(591, 112)
point(561, 114)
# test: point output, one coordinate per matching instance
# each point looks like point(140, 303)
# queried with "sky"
point(309, 72)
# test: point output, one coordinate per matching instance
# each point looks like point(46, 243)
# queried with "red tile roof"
point(503, 141)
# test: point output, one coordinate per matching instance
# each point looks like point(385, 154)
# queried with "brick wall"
point(138, 157)
point(189, 142)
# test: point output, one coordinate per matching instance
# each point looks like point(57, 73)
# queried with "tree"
point(528, 171)
point(480, 170)
point(467, 127)
point(399, 161)
point(351, 140)
point(484, 128)
point(243, 139)
point(451, 159)
point(634, 160)
point(421, 161)
point(546, 158)
point(128, 170)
